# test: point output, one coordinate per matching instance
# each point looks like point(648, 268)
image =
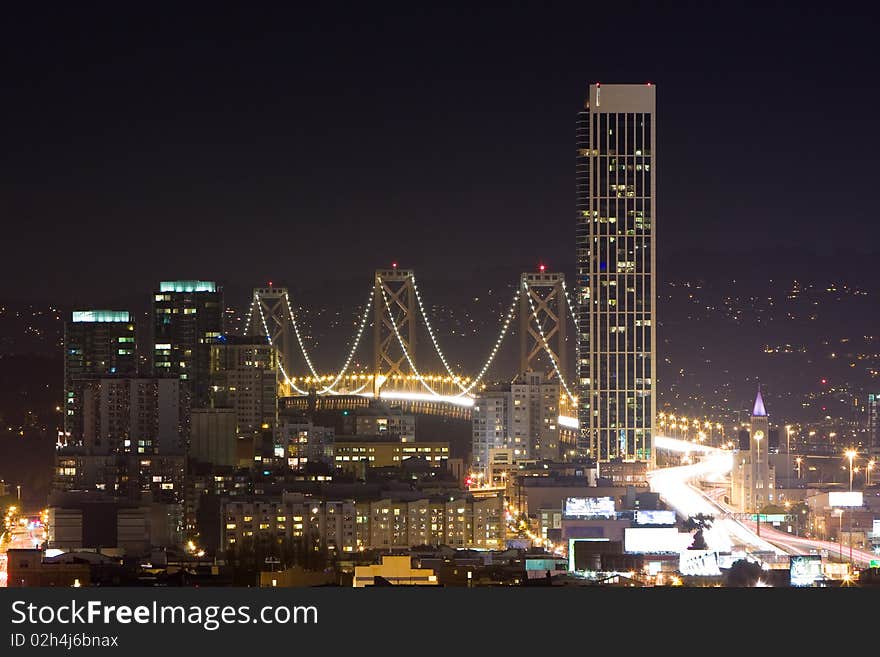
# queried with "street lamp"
point(758, 436)
point(799, 460)
point(788, 450)
point(850, 454)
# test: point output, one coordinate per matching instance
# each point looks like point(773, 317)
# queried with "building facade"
point(97, 343)
point(491, 421)
point(536, 415)
point(187, 320)
point(244, 378)
point(616, 264)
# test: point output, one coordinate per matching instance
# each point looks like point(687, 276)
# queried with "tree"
point(699, 522)
point(743, 573)
point(699, 542)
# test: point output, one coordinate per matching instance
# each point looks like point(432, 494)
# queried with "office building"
point(616, 286)
point(244, 378)
point(536, 414)
point(187, 320)
point(97, 343)
point(491, 422)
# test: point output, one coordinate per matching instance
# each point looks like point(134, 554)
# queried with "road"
point(677, 490)
point(20, 537)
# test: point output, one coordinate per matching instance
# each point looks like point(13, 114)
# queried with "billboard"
point(655, 540)
point(877, 529)
point(582, 552)
point(805, 569)
point(702, 563)
point(845, 498)
point(654, 517)
point(590, 507)
point(543, 565)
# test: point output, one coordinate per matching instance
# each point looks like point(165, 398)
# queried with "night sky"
point(303, 145)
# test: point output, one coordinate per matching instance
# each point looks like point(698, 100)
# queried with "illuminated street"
point(677, 489)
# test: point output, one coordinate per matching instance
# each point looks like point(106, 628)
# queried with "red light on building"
point(394, 265)
point(541, 268)
point(270, 283)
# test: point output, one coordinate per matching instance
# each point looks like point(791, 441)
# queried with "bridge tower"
point(396, 287)
point(544, 292)
point(273, 302)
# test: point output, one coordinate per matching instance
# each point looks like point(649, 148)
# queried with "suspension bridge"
point(393, 313)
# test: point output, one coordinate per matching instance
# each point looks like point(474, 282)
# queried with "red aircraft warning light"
point(542, 268)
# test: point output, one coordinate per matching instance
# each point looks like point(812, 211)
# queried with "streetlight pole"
point(788, 451)
point(850, 454)
point(868, 469)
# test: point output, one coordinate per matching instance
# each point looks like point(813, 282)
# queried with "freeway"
point(676, 488)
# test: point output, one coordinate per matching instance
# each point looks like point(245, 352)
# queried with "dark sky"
point(300, 144)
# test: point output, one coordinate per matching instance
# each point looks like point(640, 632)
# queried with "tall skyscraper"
point(187, 320)
point(616, 264)
point(97, 343)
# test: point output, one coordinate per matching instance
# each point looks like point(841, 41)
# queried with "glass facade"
point(186, 322)
point(187, 286)
point(615, 166)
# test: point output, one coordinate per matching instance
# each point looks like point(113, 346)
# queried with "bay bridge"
point(393, 313)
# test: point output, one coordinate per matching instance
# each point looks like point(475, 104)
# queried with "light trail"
point(675, 487)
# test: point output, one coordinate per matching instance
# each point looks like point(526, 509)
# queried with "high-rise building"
point(536, 414)
point(491, 421)
point(616, 264)
point(187, 320)
point(131, 440)
point(244, 378)
point(133, 415)
point(522, 416)
point(97, 343)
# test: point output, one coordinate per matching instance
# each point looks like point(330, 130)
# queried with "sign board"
point(655, 540)
point(845, 498)
point(805, 570)
point(701, 563)
point(654, 517)
point(590, 507)
point(770, 517)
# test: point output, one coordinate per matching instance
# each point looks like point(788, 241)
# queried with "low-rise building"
point(395, 570)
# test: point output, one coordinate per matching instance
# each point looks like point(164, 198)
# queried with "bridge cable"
point(402, 345)
point(455, 377)
point(504, 327)
point(280, 365)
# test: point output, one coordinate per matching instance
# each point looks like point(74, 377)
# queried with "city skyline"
point(311, 309)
